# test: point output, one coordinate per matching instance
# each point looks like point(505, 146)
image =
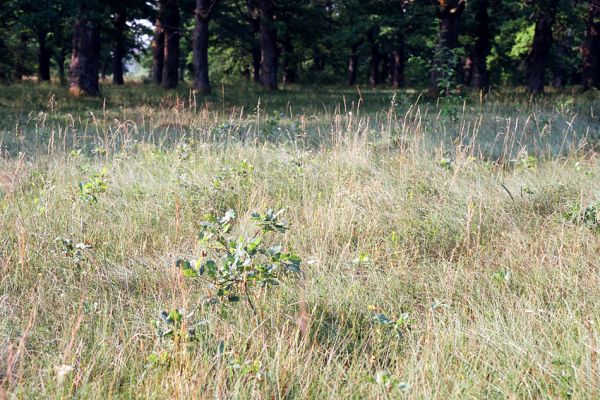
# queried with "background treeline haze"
point(440, 44)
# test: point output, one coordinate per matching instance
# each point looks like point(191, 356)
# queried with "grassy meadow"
point(450, 248)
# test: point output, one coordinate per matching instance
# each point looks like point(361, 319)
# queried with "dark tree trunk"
point(318, 60)
point(171, 29)
point(398, 72)
point(44, 55)
point(20, 57)
point(289, 71)
point(83, 74)
point(353, 65)
point(103, 71)
point(560, 72)
point(158, 47)
point(60, 62)
point(448, 13)
point(385, 68)
point(119, 23)
point(590, 50)
point(375, 57)
point(268, 45)
point(200, 45)
point(254, 18)
point(538, 56)
point(256, 64)
point(478, 75)
point(182, 67)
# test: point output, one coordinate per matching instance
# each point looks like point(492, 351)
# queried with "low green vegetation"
point(354, 244)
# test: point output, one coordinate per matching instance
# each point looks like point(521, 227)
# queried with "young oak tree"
point(444, 64)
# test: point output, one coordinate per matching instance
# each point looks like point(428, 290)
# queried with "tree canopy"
point(441, 44)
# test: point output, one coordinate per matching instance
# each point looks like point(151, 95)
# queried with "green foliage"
point(75, 251)
point(501, 277)
point(398, 326)
point(523, 41)
point(362, 259)
point(234, 266)
point(96, 185)
point(444, 69)
point(589, 216)
point(388, 382)
point(526, 162)
point(170, 326)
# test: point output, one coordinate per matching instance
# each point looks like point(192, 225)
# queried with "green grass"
point(463, 218)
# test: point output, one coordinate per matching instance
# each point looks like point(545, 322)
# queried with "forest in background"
point(438, 44)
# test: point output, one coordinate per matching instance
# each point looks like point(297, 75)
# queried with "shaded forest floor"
point(450, 248)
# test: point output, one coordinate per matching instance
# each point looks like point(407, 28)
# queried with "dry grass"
point(501, 289)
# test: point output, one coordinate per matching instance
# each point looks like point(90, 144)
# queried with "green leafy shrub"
point(589, 216)
point(234, 266)
point(73, 250)
point(97, 184)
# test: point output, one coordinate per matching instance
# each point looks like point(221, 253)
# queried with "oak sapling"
point(91, 188)
point(234, 267)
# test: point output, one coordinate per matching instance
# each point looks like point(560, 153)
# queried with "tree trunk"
point(119, 23)
point(170, 26)
point(158, 47)
point(268, 45)
point(44, 55)
point(353, 65)
point(478, 73)
point(103, 71)
point(590, 50)
point(254, 18)
point(318, 60)
point(20, 57)
point(256, 64)
point(85, 57)
point(539, 54)
point(200, 46)
point(60, 62)
point(289, 71)
point(444, 63)
point(386, 62)
point(182, 67)
point(398, 72)
point(375, 57)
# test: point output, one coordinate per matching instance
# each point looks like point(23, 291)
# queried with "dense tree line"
point(440, 43)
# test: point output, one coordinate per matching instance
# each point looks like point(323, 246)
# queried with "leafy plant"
point(158, 359)
point(501, 277)
point(247, 368)
point(362, 259)
point(69, 248)
point(447, 163)
point(388, 382)
point(97, 184)
point(525, 162)
point(234, 266)
point(171, 323)
point(271, 127)
point(444, 69)
point(589, 216)
point(398, 326)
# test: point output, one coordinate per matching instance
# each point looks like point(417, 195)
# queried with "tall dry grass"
point(459, 219)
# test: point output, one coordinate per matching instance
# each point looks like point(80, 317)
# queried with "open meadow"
point(426, 248)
